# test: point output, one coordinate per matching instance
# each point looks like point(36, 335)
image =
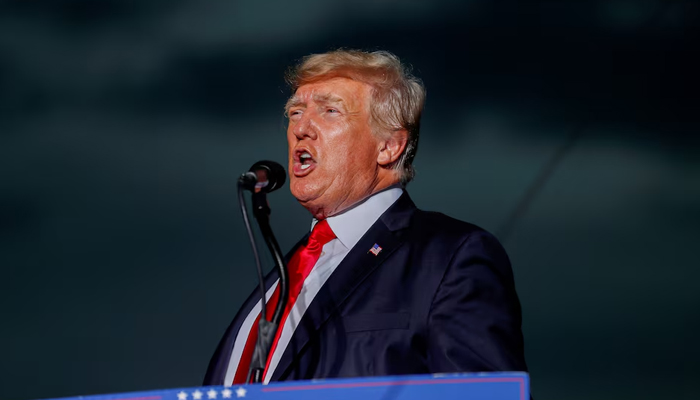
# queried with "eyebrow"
point(326, 98)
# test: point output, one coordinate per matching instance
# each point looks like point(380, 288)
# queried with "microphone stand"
point(267, 330)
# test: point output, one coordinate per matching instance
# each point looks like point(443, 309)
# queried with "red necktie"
point(300, 265)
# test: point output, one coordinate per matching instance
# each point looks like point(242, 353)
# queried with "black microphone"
point(264, 176)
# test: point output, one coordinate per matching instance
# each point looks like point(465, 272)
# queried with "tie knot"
point(322, 233)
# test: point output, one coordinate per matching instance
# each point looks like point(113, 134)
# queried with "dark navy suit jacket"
point(439, 297)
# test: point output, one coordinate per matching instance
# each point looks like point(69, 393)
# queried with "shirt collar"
point(350, 225)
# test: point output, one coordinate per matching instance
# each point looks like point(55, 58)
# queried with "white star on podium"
point(197, 395)
point(212, 394)
point(226, 393)
point(240, 392)
point(181, 396)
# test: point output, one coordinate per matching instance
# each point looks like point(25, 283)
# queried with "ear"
point(391, 149)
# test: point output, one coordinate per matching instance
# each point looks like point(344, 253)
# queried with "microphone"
point(264, 176)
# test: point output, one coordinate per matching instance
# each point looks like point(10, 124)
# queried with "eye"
point(332, 111)
point(294, 113)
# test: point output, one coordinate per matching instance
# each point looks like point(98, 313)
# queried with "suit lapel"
point(219, 363)
point(352, 271)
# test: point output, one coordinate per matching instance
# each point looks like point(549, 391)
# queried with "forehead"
point(334, 89)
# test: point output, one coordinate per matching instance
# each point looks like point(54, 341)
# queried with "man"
point(382, 288)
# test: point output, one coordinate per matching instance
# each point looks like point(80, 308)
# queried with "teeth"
point(305, 155)
point(305, 166)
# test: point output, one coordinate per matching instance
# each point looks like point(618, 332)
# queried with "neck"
point(324, 211)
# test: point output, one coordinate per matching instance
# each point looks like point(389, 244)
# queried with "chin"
point(302, 192)
point(309, 199)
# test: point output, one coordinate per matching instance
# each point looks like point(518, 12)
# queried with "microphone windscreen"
point(271, 175)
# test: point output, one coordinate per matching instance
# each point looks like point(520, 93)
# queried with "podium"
point(484, 386)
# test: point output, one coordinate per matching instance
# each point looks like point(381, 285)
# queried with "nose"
point(304, 127)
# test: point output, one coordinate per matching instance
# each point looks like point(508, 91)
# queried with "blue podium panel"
point(492, 386)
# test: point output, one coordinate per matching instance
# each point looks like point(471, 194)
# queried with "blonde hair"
point(397, 96)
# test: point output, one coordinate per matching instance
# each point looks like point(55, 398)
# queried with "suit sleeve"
point(475, 321)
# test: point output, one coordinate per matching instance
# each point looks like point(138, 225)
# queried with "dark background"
point(568, 129)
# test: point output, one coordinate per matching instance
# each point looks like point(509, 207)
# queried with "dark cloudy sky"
point(569, 129)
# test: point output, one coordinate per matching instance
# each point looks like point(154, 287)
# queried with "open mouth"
point(304, 163)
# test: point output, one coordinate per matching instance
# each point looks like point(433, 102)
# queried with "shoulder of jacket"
point(440, 224)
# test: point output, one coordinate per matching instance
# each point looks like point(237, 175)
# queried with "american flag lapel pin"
point(375, 249)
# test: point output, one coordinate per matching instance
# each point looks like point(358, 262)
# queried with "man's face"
point(332, 151)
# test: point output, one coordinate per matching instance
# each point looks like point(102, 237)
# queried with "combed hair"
point(397, 96)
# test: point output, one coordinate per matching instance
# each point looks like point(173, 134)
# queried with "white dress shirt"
point(349, 227)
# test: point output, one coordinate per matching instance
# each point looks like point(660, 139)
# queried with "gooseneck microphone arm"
point(244, 212)
point(261, 210)
point(264, 177)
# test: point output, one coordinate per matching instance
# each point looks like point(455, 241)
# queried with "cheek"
point(348, 142)
point(363, 152)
